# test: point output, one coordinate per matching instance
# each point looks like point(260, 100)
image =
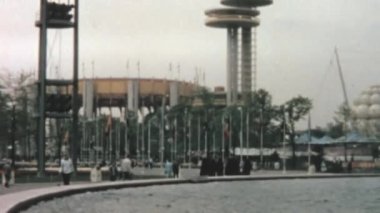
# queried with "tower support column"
point(41, 91)
point(246, 62)
point(232, 65)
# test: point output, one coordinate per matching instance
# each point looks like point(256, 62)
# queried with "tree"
point(340, 123)
point(206, 112)
point(262, 113)
point(17, 90)
point(4, 124)
point(295, 109)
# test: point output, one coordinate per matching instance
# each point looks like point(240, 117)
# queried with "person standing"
point(113, 171)
point(126, 166)
point(168, 169)
point(247, 167)
point(219, 167)
point(176, 169)
point(66, 169)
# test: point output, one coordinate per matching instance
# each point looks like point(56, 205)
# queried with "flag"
point(107, 130)
point(66, 137)
point(226, 130)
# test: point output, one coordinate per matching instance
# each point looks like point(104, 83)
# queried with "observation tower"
point(240, 15)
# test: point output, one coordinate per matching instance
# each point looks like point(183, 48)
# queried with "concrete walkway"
point(155, 172)
point(21, 196)
point(137, 171)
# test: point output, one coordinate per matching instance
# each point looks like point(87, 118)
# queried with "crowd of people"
point(171, 169)
point(232, 166)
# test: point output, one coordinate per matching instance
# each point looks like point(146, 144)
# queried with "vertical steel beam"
point(41, 91)
point(75, 139)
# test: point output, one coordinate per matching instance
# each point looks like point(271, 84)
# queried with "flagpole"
point(241, 134)
point(223, 129)
point(126, 147)
point(162, 142)
point(206, 143)
point(308, 147)
point(283, 147)
point(175, 137)
point(229, 135)
point(118, 140)
point(138, 138)
point(213, 143)
point(261, 139)
point(149, 139)
point(247, 129)
point(189, 149)
point(172, 142)
point(199, 136)
point(143, 136)
point(184, 137)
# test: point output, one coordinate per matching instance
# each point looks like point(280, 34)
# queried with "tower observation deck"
point(241, 15)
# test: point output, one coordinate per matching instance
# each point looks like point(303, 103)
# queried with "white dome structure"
point(362, 111)
point(375, 98)
point(374, 111)
point(365, 98)
point(366, 111)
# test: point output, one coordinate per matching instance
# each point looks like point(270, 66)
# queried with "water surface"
point(346, 195)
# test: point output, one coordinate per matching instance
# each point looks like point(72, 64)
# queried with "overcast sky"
point(296, 40)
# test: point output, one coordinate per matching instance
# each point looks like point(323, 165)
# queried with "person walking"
point(66, 169)
point(7, 169)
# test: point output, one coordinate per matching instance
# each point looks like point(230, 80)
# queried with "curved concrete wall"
point(16, 202)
